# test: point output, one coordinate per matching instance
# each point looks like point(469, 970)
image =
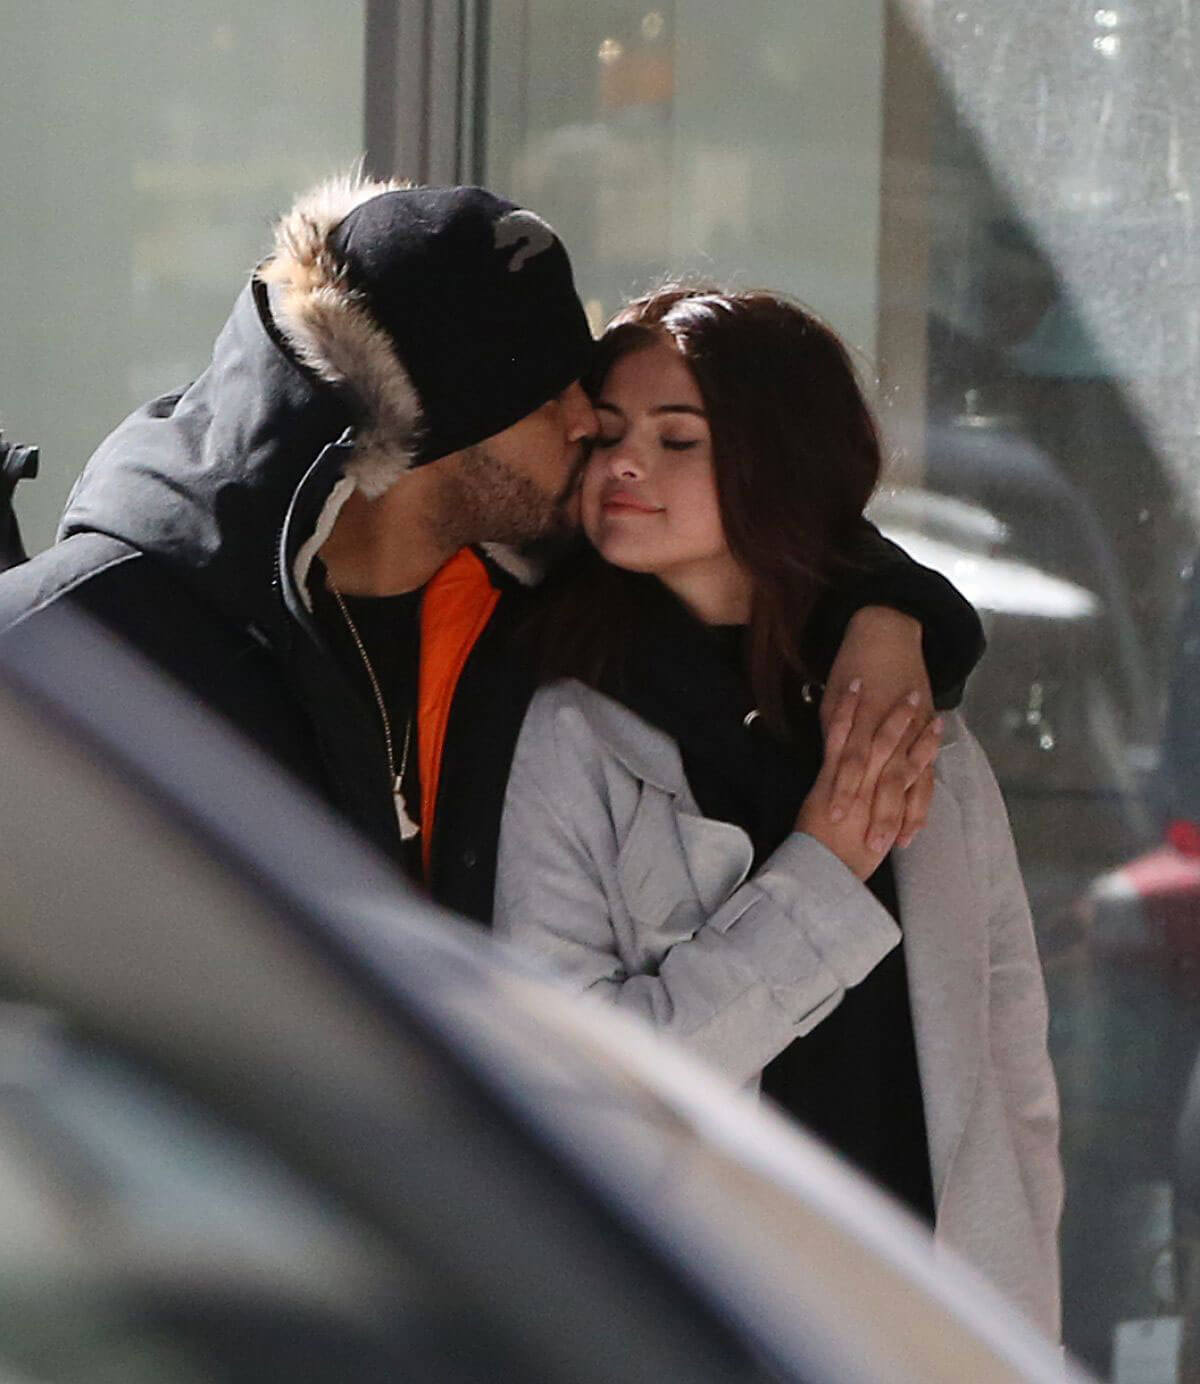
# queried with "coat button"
point(469, 859)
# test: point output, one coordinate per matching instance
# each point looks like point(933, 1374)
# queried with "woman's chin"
point(628, 558)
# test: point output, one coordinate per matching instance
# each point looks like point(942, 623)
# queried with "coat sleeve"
point(773, 960)
point(1017, 1031)
point(882, 573)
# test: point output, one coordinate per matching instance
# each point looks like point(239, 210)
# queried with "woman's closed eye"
point(668, 444)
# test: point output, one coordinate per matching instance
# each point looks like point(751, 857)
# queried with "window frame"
point(424, 73)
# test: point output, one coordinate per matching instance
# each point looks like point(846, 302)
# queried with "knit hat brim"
point(444, 315)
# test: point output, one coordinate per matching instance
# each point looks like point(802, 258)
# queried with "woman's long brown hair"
point(796, 455)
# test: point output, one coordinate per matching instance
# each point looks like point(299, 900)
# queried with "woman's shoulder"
point(568, 717)
point(567, 707)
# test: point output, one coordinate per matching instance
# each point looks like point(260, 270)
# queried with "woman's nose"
point(625, 464)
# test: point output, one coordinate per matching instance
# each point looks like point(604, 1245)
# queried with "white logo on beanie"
point(529, 233)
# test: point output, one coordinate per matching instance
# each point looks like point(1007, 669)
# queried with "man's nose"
point(580, 416)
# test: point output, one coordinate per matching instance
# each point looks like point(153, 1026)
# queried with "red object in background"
point(1164, 888)
point(1150, 907)
point(1185, 837)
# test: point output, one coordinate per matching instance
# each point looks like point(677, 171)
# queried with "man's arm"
point(881, 573)
point(903, 633)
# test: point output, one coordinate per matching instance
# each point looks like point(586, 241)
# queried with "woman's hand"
point(893, 757)
point(882, 652)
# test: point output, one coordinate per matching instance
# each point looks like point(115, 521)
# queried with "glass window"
point(995, 204)
point(626, 124)
point(144, 150)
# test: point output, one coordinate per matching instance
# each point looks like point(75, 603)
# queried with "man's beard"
point(486, 500)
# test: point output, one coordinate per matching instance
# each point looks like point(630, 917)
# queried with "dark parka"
point(192, 530)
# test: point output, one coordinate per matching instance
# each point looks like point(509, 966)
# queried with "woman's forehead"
point(655, 377)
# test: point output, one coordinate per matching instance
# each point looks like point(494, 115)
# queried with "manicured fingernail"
point(938, 724)
point(837, 813)
point(913, 699)
point(903, 841)
point(854, 685)
point(878, 843)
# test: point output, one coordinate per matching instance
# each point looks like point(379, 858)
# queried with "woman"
point(668, 839)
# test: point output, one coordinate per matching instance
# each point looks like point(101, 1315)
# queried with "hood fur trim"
point(331, 329)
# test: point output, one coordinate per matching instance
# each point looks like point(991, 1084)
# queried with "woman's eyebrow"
point(602, 405)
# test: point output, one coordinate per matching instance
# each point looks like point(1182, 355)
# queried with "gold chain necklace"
point(408, 828)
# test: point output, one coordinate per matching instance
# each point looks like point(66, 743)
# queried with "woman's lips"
point(626, 504)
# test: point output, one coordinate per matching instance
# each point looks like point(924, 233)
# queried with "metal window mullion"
point(472, 103)
point(395, 104)
point(445, 47)
point(421, 76)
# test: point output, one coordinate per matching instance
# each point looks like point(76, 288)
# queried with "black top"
point(853, 1079)
point(389, 628)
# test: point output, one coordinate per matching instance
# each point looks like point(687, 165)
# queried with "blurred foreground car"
point(264, 1115)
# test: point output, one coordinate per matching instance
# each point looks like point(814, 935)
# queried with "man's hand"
point(855, 835)
point(881, 652)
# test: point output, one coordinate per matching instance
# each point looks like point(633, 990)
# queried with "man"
point(323, 536)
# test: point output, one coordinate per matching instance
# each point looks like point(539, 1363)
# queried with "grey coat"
point(609, 872)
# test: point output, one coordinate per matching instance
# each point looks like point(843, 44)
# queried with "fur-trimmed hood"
point(330, 329)
point(236, 480)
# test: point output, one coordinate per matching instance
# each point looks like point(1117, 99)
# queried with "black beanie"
point(477, 297)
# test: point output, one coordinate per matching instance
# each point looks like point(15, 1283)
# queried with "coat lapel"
point(943, 914)
point(718, 855)
point(944, 920)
